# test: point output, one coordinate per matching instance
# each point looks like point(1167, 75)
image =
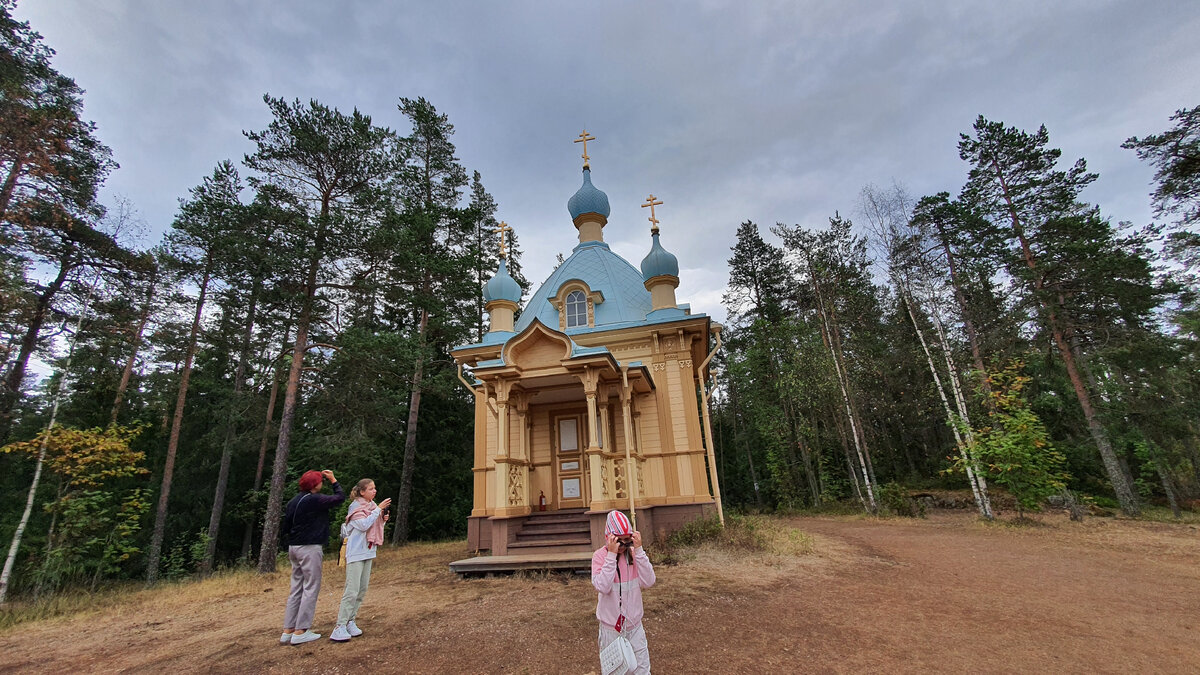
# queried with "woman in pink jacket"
point(363, 531)
point(620, 570)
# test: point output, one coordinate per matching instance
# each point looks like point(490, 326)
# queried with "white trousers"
point(636, 637)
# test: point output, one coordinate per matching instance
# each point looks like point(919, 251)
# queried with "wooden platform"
point(570, 561)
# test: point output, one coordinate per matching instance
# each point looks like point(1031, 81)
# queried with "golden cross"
point(502, 228)
point(584, 138)
point(650, 201)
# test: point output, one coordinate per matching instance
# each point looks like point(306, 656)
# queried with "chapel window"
point(576, 309)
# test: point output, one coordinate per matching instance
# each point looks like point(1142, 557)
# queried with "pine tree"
point(331, 166)
point(437, 259)
point(1014, 180)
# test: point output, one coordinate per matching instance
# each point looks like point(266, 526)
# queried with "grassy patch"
point(1162, 514)
point(747, 534)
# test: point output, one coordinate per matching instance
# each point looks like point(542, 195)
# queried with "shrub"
point(894, 499)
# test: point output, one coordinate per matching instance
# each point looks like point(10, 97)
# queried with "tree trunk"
point(10, 184)
point(828, 327)
point(1170, 491)
point(403, 500)
point(287, 417)
point(160, 515)
point(127, 373)
point(16, 376)
point(1122, 484)
point(15, 546)
point(214, 520)
point(248, 537)
point(968, 324)
point(749, 456)
point(969, 463)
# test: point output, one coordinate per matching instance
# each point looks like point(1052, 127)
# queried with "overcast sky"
point(727, 111)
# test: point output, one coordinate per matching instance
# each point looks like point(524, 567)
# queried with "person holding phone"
point(306, 529)
point(363, 532)
point(620, 570)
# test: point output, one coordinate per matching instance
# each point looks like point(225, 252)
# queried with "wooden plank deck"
point(574, 561)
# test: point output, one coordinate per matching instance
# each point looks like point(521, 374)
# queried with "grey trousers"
point(636, 637)
point(306, 584)
point(358, 575)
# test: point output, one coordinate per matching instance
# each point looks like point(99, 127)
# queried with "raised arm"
point(363, 524)
point(645, 570)
point(604, 569)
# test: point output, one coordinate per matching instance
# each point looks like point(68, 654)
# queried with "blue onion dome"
point(659, 262)
point(502, 286)
point(588, 199)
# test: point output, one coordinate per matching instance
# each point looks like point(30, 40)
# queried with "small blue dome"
point(502, 286)
point(659, 262)
point(588, 199)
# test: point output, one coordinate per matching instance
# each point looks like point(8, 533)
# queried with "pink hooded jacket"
point(625, 596)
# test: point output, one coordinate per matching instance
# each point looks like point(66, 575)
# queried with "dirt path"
point(944, 594)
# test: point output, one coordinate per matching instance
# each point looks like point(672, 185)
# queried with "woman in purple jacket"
point(306, 529)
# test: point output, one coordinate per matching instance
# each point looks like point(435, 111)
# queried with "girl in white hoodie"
point(363, 531)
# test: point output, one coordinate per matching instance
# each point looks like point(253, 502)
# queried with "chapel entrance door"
point(570, 462)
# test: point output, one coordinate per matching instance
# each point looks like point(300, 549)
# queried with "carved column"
point(590, 379)
point(503, 387)
point(522, 454)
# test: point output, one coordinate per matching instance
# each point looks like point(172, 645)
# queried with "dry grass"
point(778, 594)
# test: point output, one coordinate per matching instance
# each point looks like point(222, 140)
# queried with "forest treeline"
point(1006, 333)
point(297, 314)
point(160, 398)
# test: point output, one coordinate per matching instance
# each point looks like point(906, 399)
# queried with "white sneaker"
point(340, 634)
point(286, 638)
point(353, 630)
point(306, 636)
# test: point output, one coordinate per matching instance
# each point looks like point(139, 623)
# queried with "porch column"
point(501, 478)
point(522, 451)
point(631, 473)
point(590, 377)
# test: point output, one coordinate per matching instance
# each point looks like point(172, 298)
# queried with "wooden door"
point(570, 462)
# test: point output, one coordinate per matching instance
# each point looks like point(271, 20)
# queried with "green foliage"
point(894, 500)
point(1015, 447)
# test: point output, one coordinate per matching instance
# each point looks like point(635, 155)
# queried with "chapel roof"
point(626, 299)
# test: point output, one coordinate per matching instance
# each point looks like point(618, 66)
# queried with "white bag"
point(617, 658)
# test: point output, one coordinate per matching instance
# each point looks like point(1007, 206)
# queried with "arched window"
point(576, 309)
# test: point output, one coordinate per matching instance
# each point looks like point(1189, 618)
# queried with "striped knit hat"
point(617, 523)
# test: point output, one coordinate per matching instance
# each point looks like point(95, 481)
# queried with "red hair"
point(310, 480)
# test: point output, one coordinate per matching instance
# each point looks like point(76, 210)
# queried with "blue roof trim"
point(576, 350)
point(492, 339)
point(666, 314)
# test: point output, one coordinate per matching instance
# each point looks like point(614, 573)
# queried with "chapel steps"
point(567, 531)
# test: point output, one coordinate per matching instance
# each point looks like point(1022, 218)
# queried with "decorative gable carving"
point(537, 347)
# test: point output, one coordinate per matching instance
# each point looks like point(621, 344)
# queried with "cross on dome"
point(584, 138)
point(502, 228)
point(651, 202)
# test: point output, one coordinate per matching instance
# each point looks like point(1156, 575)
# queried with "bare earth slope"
point(945, 594)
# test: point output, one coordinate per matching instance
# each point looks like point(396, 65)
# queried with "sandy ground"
point(946, 594)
